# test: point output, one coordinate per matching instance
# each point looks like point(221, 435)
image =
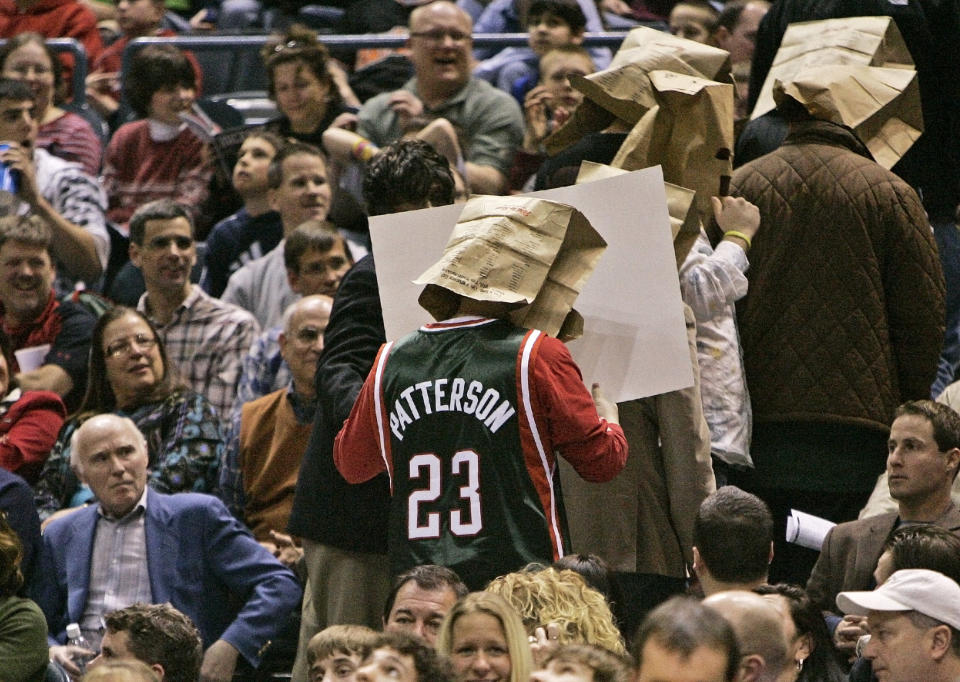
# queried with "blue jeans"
point(948, 244)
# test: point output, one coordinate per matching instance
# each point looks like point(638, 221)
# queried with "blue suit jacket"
point(199, 558)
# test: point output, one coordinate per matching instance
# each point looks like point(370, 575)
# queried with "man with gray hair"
point(268, 435)
point(206, 339)
point(914, 620)
point(138, 545)
point(759, 627)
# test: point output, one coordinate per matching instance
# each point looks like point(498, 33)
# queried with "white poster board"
point(634, 342)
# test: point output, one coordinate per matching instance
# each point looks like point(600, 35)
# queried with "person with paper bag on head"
point(467, 414)
point(843, 318)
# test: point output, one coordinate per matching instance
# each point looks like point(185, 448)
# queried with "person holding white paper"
point(468, 414)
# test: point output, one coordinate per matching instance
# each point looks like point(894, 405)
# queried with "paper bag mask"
point(870, 41)
point(659, 51)
point(689, 134)
point(533, 253)
point(684, 225)
point(624, 91)
point(882, 106)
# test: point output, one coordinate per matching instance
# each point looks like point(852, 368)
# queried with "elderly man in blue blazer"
point(139, 545)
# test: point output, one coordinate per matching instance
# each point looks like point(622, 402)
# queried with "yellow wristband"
point(362, 150)
point(739, 234)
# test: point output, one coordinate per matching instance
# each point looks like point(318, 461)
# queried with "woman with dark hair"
point(26, 57)
point(810, 645)
point(308, 88)
point(131, 376)
point(158, 156)
point(23, 627)
point(28, 421)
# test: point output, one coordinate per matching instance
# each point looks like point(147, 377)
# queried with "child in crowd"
point(338, 651)
point(549, 24)
point(255, 229)
point(136, 19)
point(158, 156)
point(548, 106)
point(582, 663)
point(694, 20)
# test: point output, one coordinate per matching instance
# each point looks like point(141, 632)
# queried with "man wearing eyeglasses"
point(51, 338)
point(269, 435)
point(489, 119)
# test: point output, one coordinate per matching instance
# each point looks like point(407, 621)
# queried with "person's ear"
point(720, 36)
point(576, 37)
point(293, 279)
point(953, 458)
point(940, 641)
point(133, 250)
point(697, 560)
point(806, 647)
point(751, 668)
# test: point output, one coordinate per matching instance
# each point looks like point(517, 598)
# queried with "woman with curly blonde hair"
point(548, 596)
point(484, 639)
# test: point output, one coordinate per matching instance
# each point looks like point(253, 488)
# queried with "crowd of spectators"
point(212, 464)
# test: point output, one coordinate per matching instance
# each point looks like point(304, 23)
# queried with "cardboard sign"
point(634, 339)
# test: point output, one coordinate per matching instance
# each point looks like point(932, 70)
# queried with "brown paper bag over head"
point(659, 51)
point(684, 225)
point(689, 134)
point(623, 90)
point(870, 41)
point(532, 254)
point(881, 105)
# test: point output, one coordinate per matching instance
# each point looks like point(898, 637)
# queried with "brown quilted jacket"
point(844, 317)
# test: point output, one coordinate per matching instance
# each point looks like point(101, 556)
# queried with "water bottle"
point(74, 638)
point(8, 178)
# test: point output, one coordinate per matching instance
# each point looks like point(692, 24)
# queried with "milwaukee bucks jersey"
point(473, 488)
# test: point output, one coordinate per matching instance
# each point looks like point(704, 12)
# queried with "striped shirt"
point(206, 341)
point(118, 569)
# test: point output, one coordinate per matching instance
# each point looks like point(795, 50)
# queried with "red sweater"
point(137, 170)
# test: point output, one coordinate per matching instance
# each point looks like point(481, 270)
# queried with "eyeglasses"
point(438, 34)
point(290, 44)
point(308, 335)
point(124, 346)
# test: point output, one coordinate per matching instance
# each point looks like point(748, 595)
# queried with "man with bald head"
point(759, 627)
point(442, 87)
point(137, 545)
point(269, 435)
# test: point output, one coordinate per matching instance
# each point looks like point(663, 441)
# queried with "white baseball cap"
point(912, 589)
